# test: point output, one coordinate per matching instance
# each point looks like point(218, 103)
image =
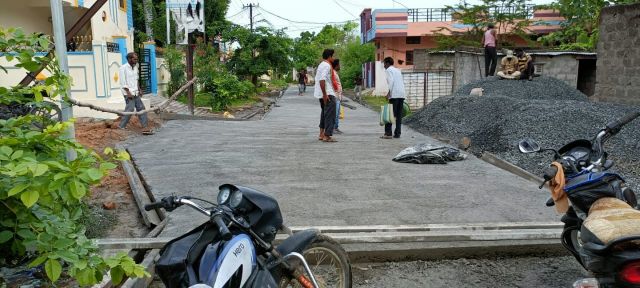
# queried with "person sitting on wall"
point(525, 64)
point(509, 67)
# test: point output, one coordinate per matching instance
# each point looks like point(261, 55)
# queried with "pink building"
point(397, 33)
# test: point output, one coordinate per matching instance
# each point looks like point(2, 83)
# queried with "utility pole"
point(57, 20)
point(254, 79)
point(251, 5)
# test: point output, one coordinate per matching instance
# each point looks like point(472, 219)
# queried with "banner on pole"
point(189, 17)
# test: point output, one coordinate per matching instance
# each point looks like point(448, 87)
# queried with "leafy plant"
point(580, 29)
point(174, 58)
point(217, 86)
point(508, 16)
point(41, 193)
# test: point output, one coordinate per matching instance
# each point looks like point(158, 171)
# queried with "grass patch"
point(375, 101)
point(200, 100)
point(237, 103)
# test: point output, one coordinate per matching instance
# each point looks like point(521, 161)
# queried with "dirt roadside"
point(113, 208)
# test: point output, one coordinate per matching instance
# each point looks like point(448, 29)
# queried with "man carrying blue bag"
point(396, 97)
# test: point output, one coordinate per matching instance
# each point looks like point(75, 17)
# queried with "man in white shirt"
point(396, 97)
point(129, 86)
point(324, 91)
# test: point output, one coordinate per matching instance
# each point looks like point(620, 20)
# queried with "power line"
point(345, 10)
point(304, 22)
point(239, 12)
point(400, 4)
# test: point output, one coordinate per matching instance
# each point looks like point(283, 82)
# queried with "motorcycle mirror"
point(528, 145)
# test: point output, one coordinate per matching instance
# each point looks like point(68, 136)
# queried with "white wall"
point(381, 88)
point(163, 76)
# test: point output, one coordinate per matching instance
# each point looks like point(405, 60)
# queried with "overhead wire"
point(303, 22)
point(345, 9)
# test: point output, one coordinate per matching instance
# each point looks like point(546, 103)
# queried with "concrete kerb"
point(381, 243)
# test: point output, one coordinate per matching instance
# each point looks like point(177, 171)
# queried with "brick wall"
point(618, 72)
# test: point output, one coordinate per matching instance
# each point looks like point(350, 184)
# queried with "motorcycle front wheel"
point(328, 262)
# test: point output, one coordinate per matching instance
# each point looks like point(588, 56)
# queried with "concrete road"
point(351, 182)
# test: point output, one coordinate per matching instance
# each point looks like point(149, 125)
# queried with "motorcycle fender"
point(297, 242)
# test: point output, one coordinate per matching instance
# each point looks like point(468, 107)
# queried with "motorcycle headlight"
point(236, 199)
point(223, 195)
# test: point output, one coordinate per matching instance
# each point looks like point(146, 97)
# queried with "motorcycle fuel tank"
point(231, 263)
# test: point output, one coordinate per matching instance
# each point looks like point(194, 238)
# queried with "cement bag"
point(429, 154)
point(386, 115)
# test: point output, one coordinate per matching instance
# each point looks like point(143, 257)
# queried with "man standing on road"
point(129, 85)
point(489, 40)
point(324, 91)
point(358, 89)
point(302, 82)
point(336, 69)
point(396, 97)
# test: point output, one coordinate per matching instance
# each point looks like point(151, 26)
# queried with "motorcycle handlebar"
point(153, 205)
point(614, 126)
point(225, 234)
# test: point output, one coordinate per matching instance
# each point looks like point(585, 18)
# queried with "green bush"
point(217, 86)
point(174, 57)
point(42, 193)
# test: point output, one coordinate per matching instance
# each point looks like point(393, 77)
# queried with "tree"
point(259, 52)
point(508, 16)
point(41, 193)
point(148, 8)
point(307, 50)
point(580, 30)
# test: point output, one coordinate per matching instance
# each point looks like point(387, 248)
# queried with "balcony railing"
point(80, 44)
point(429, 15)
point(444, 14)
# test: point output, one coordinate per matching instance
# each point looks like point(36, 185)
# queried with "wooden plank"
point(496, 161)
point(139, 193)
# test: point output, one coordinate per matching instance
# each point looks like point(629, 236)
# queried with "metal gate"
point(423, 87)
point(145, 71)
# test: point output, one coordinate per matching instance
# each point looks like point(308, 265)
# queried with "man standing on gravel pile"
point(489, 40)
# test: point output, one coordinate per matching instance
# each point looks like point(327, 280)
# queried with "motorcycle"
point(234, 248)
point(601, 220)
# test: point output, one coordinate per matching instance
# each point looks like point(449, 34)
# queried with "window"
point(409, 58)
point(413, 40)
point(539, 68)
point(122, 4)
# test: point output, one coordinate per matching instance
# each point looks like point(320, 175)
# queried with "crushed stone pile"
point(541, 88)
point(544, 109)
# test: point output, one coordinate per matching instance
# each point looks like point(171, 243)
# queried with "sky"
point(309, 15)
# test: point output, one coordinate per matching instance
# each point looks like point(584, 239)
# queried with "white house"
point(94, 55)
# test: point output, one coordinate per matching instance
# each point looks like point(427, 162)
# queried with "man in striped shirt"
point(525, 64)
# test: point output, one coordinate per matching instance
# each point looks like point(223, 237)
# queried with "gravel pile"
point(542, 88)
point(552, 113)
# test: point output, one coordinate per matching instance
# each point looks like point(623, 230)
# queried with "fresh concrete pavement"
point(351, 182)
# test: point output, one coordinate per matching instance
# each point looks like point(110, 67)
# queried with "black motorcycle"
point(235, 247)
point(601, 222)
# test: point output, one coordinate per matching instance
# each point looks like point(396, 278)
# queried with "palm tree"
point(148, 18)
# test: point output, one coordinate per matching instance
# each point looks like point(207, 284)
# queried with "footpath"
point(352, 182)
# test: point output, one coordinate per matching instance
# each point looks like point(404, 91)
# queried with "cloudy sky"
point(302, 15)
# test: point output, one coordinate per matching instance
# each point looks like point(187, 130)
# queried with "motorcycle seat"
point(610, 219)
